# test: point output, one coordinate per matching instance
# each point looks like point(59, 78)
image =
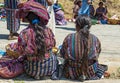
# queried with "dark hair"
point(82, 21)
point(84, 24)
point(100, 3)
point(77, 1)
point(39, 34)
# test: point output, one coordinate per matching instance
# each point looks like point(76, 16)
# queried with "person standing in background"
point(13, 23)
point(85, 8)
point(77, 6)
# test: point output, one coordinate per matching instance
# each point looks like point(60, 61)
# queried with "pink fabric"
point(26, 41)
point(34, 7)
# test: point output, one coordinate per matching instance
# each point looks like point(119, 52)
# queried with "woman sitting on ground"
point(81, 51)
point(101, 12)
point(36, 41)
point(92, 11)
point(59, 14)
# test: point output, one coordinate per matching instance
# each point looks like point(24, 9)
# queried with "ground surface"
point(109, 36)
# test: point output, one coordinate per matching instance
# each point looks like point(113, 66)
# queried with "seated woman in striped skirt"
point(36, 41)
point(81, 51)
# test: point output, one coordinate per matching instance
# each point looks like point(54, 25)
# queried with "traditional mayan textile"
point(36, 66)
point(40, 68)
point(43, 2)
point(26, 41)
point(72, 53)
point(36, 8)
point(51, 23)
point(11, 8)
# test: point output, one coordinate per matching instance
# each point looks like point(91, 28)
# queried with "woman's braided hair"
point(39, 34)
point(39, 40)
point(84, 24)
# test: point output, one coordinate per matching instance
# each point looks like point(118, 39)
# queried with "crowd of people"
point(98, 15)
point(86, 7)
point(35, 54)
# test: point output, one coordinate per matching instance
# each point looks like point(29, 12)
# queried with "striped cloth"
point(51, 23)
point(41, 68)
point(12, 22)
point(72, 52)
point(43, 2)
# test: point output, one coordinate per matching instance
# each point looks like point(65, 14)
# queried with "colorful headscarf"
point(36, 8)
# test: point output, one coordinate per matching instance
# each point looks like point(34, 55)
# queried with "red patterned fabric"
point(10, 68)
point(26, 41)
point(34, 7)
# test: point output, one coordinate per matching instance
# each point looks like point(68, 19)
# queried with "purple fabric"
point(34, 7)
point(59, 17)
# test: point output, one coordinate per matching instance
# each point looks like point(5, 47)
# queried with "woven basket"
point(11, 52)
point(113, 21)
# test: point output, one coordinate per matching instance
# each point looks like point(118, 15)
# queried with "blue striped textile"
point(13, 23)
point(11, 4)
point(38, 69)
point(43, 2)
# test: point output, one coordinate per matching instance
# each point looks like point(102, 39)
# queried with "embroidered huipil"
point(72, 52)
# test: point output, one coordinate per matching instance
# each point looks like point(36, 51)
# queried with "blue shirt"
point(84, 8)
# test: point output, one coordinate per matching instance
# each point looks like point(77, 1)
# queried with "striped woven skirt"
point(72, 70)
point(38, 69)
point(13, 23)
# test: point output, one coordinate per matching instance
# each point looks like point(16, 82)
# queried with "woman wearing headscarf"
point(13, 23)
point(35, 42)
point(81, 52)
point(45, 3)
point(49, 5)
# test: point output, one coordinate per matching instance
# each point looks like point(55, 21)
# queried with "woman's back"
point(72, 49)
point(27, 38)
point(81, 51)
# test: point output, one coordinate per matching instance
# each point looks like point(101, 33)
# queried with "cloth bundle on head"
point(36, 8)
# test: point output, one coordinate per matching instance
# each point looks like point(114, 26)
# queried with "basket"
point(113, 21)
point(10, 52)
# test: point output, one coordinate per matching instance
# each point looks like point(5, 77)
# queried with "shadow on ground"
point(23, 24)
point(4, 36)
point(66, 28)
point(25, 77)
